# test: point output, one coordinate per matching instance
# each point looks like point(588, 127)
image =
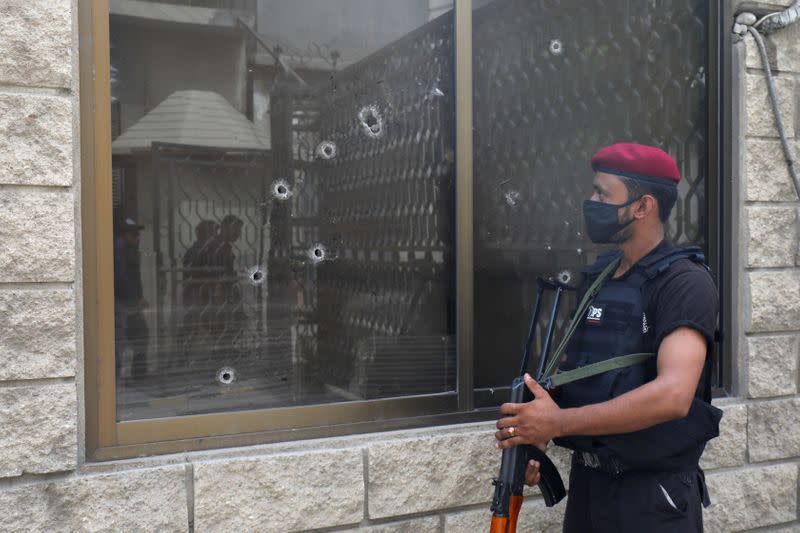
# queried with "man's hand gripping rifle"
point(507, 500)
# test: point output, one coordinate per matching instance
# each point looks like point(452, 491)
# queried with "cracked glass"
point(283, 203)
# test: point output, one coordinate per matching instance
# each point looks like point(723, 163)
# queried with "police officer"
point(636, 433)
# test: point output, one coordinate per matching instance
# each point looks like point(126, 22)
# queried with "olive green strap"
point(621, 361)
point(591, 292)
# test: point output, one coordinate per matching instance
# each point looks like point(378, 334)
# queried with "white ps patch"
point(594, 315)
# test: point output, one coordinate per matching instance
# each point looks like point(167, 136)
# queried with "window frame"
point(722, 195)
point(107, 438)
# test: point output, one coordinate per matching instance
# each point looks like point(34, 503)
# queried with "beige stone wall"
point(38, 393)
point(429, 480)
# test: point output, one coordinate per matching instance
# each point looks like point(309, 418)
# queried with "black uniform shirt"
point(683, 296)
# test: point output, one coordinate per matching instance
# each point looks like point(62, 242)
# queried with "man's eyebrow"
point(597, 188)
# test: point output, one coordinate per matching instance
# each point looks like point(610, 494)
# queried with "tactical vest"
point(616, 324)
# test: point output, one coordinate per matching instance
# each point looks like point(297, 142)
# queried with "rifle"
point(508, 486)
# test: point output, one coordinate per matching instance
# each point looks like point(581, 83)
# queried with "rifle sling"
point(621, 361)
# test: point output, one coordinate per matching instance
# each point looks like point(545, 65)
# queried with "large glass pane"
point(283, 194)
point(554, 81)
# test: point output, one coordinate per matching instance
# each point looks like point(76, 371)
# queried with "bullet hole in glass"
point(226, 375)
point(317, 253)
point(556, 48)
point(512, 197)
point(281, 190)
point(371, 121)
point(326, 150)
point(257, 274)
point(565, 276)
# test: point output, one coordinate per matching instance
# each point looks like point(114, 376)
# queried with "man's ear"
point(646, 205)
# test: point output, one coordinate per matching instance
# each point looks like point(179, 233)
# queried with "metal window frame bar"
point(722, 237)
point(465, 239)
point(96, 225)
point(728, 189)
point(106, 438)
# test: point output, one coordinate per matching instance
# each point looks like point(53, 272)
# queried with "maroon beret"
point(639, 162)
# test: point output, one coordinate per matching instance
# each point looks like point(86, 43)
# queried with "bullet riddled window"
point(555, 81)
point(283, 203)
point(329, 216)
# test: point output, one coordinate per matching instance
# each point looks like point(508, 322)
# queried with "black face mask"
point(602, 222)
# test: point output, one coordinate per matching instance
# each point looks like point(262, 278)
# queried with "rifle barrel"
point(532, 327)
point(548, 338)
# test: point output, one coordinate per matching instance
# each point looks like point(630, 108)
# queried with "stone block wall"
point(38, 224)
point(425, 480)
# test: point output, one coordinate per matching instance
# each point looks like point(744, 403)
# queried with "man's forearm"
point(645, 406)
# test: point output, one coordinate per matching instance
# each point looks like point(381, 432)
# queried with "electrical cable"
point(747, 22)
point(775, 108)
point(781, 19)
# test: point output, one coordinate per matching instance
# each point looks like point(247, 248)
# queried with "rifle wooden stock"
point(499, 524)
point(514, 508)
point(507, 524)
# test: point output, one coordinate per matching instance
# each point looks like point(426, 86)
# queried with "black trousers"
point(634, 502)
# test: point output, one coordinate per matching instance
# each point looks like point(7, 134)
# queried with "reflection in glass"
point(553, 83)
point(282, 191)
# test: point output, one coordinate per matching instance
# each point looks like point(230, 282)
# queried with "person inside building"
point(195, 279)
point(194, 273)
point(220, 294)
point(204, 231)
point(132, 332)
point(636, 433)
